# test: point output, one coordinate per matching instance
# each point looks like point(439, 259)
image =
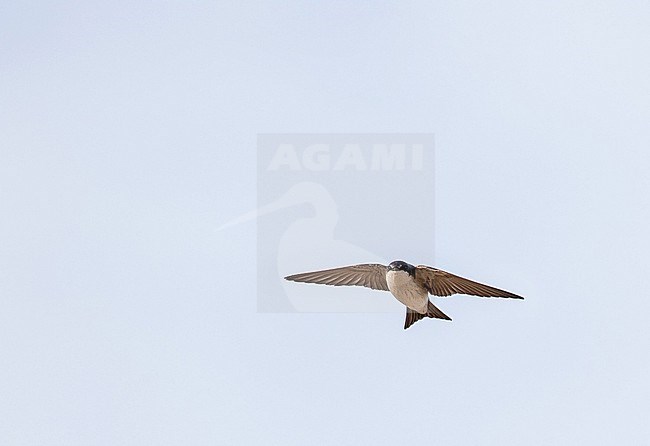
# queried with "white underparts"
point(405, 289)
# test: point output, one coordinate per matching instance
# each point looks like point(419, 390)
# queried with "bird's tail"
point(432, 311)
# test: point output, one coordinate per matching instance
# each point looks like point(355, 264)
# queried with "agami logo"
point(326, 200)
point(323, 157)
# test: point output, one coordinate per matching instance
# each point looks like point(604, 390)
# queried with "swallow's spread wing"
point(442, 283)
point(371, 275)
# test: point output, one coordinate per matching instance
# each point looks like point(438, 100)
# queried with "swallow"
point(410, 285)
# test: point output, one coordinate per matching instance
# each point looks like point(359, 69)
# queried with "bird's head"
point(399, 265)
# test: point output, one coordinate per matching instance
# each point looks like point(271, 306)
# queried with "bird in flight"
point(411, 285)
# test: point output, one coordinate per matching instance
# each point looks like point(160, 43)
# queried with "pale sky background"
point(127, 136)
